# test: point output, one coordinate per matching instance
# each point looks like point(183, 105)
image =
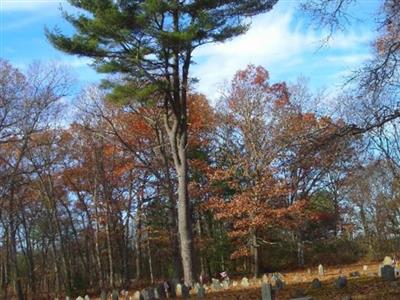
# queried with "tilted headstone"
point(321, 270)
point(316, 284)
point(387, 273)
point(178, 290)
point(201, 292)
point(387, 261)
point(185, 291)
point(341, 282)
point(114, 295)
point(137, 296)
point(215, 284)
point(245, 282)
point(266, 291)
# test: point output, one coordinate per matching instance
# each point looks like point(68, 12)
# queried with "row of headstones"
point(268, 290)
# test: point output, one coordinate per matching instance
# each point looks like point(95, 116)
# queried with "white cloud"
point(277, 42)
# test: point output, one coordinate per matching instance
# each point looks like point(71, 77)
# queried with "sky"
point(282, 41)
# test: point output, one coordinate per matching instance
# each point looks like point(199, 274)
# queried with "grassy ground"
point(367, 286)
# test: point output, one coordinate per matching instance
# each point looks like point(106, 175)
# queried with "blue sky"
point(281, 41)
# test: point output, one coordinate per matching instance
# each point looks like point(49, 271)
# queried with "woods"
point(150, 180)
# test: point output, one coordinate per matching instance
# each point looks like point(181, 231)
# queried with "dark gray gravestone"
point(185, 291)
point(266, 291)
point(387, 273)
point(170, 289)
point(279, 284)
point(103, 295)
point(316, 284)
point(146, 294)
point(201, 292)
point(115, 295)
point(341, 282)
point(161, 291)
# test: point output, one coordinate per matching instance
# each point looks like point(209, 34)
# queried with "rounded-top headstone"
point(178, 290)
point(320, 270)
point(341, 282)
point(387, 261)
point(265, 278)
point(244, 282)
point(234, 283)
point(365, 268)
point(79, 298)
point(87, 297)
point(316, 284)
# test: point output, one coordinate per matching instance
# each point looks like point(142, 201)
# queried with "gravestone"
point(302, 298)
point(79, 298)
point(387, 261)
point(309, 271)
point(201, 292)
point(387, 273)
point(265, 278)
point(103, 295)
point(170, 289)
point(245, 282)
point(185, 291)
point(67, 298)
point(365, 268)
point(137, 296)
point(320, 270)
point(346, 297)
point(316, 284)
point(379, 270)
point(161, 291)
point(266, 291)
point(234, 283)
point(279, 284)
point(178, 290)
point(147, 294)
point(87, 297)
point(215, 284)
point(341, 282)
point(115, 295)
point(396, 272)
point(225, 283)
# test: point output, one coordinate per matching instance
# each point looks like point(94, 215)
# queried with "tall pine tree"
point(152, 42)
